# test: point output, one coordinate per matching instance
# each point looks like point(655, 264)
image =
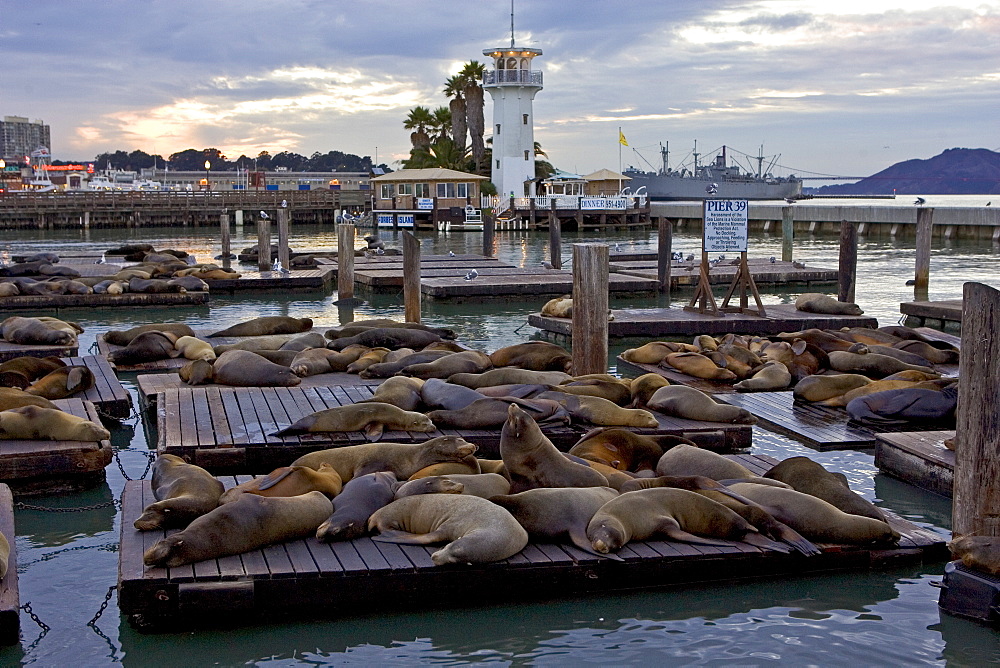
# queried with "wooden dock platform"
point(227, 429)
point(129, 299)
point(944, 311)
point(107, 394)
point(651, 323)
point(10, 600)
point(918, 458)
point(342, 579)
point(319, 279)
point(9, 351)
point(764, 272)
point(46, 467)
point(539, 283)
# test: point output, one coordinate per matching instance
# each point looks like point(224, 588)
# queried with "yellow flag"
point(621, 139)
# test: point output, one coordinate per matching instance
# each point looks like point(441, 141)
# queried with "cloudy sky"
point(841, 88)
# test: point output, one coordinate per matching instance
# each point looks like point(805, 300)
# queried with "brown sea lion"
point(601, 412)
point(534, 355)
point(197, 372)
point(314, 361)
point(558, 513)
point(822, 339)
point(242, 368)
point(360, 497)
point(304, 342)
point(146, 347)
point(980, 553)
point(615, 391)
point(271, 324)
point(256, 343)
point(36, 422)
point(22, 371)
point(63, 382)
point(823, 387)
point(358, 326)
point(367, 359)
point(532, 461)
point(697, 365)
point(623, 449)
point(815, 302)
point(652, 353)
point(182, 491)
point(492, 412)
point(687, 402)
point(386, 368)
point(8, 289)
point(401, 392)
point(289, 481)
point(477, 531)
point(879, 386)
point(471, 361)
point(560, 307)
point(402, 459)
point(507, 376)
point(690, 460)
point(436, 393)
point(772, 376)
point(194, 348)
point(644, 386)
point(32, 331)
point(910, 405)
point(388, 337)
point(13, 397)
point(371, 418)
point(930, 353)
point(249, 523)
point(123, 338)
point(801, 358)
point(483, 485)
point(469, 465)
point(809, 477)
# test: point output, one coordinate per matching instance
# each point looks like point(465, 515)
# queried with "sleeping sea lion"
point(697, 365)
point(815, 302)
point(360, 497)
point(32, 331)
point(36, 422)
point(182, 491)
point(386, 368)
point(437, 393)
point(687, 402)
point(242, 368)
point(388, 337)
point(534, 355)
point(483, 485)
point(643, 387)
point(289, 481)
point(623, 449)
point(823, 387)
point(401, 459)
point(123, 338)
point(271, 324)
point(809, 477)
point(371, 418)
point(872, 365)
point(13, 397)
point(507, 376)
point(691, 460)
point(146, 347)
point(63, 382)
point(906, 406)
point(772, 376)
point(194, 349)
point(470, 361)
point(401, 392)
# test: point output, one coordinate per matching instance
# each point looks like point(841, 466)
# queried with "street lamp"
point(208, 184)
point(3, 182)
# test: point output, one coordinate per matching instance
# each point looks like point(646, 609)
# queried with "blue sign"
point(405, 220)
point(385, 220)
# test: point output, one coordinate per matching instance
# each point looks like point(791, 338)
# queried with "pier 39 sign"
point(726, 222)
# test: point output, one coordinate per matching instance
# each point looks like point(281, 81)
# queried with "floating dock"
point(343, 579)
point(130, 299)
point(10, 600)
point(46, 467)
point(764, 272)
point(319, 279)
point(227, 429)
point(919, 458)
point(944, 311)
point(9, 351)
point(652, 323)
point(107, 394)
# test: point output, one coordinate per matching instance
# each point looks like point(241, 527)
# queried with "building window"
point(525, 155)
point(498, 164)
point(462, 189)
point(498, 128)
point(525, 118)
point(422, 189)
point(388, 191)
point(405, 188)
point(446, 190)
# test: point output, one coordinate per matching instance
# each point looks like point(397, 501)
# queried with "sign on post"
point(726, 223)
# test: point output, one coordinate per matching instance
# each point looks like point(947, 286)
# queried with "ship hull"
point(670, 187)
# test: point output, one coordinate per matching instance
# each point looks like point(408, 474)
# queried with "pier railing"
point(497, 77)
point(565, 202)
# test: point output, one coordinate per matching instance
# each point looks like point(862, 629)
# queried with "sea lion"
point(44, 256)
point(652, 353)
point(623, 449)
point(821, 338)
point(823, 387)
point(32, 331)
point(109, 287)
point(815, 518)
point(815, 302)
point(602, 412)
point(26, 369)
point(469, 465)
point(772, 376)
point(313, 361)
point(677, 513)
point(449, 346)
point(182, 491)
point(872, 365)
point(615, 391)
point(401, 392)
point(643, 387)
point(123, 338)
point(242, 368)
point(532, 461)
point(809, 477)
point(560, 307)
point(492, 412)
point(249, 523)
point(437, 484)
point(271, 324)
point(471, 361)
point(8, 289)
point(187, 284)
point(477, 530)
point(534, 355)
point(197, 372)
point(282, 357)
point(126, 275)
point(71, 287)
point(483, 485)
point(289, 481)
point(691, 460)
point(980, 553)
point(35, 422)
point(388, 337)
point(518, 390)
point(255, 343)
point(304, 342)
point(151, 285)
point(13, 397)
point(146, 347)
point(558, 513)
point(492, 466)
point(687, 402)
point(367, 359)
point(61, 325)
point(697, 365)
point(371, 418)
point(929, 352)
point(906, 406)
point(880, 386)
point(358, 326)
point(912, 376)
point(728, 363)
point(801, 358)
point(194, 349)
point(437, 393)
point(386, 368)
point(508, 375)
point(402, 459)
point(63, 382)
point(901, 355)
point(47, 269)
point(360, 497)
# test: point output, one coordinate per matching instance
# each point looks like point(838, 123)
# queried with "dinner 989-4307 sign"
point(726, 222)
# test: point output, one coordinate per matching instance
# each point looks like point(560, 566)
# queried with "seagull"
point(264, 215)
point(990, 202)
point(677, 257)
point(799, 265)
point(790, 200)
point(772, 260)
point(379, 251)
point(618, 248)
point(721, 258)
point(919, 201)
point(547, 265)
point(451, 253)
point(471, 275)
point(284, 204)
point(102, 260)
point(690, 257)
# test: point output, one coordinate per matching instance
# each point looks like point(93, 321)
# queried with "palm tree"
point(472, 74)
point(441, 123)
point(453, 87)
point(418, 120)
point(441, 153)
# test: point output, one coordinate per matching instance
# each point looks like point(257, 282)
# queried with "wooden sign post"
point(725, 230)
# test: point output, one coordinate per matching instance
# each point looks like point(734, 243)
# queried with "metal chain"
point(104, 606)
point(110, 547)
point(42, 625)
point(82, 509)
point(150, 458)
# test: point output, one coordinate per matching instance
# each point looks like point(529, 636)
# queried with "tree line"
point(194, 160)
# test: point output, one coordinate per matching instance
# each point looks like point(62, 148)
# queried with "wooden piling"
point(664, 251)
point(922, 275)
point(283, 254)
point(787, 233)
point(226, 241)
point(846, 277)
point(345, 261)
point(239, 219)
point(590, 308)
point(489, 233)
point(411, 278)
point(976, 496)
point(555, 237)
point(263, 244)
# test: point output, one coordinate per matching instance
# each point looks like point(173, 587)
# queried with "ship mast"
point(695, 154)
point(760, 162)
point(664, 152)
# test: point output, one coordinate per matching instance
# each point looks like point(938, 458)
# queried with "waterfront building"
point(512, 85)
point(19, 137)
point(424, 197)
point(605, 183)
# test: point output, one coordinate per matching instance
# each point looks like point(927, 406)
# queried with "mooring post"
point(239, 219)
point(283, 216)
point(411, 278)
point(555, 237)
point(664, 253)
point(976, 492)
point(226, 243)
point(345, 261)
point(263, 243)
point(787, 233)
point(590, 308)
point(489, 233)
point(922, 276)
point(847, 275)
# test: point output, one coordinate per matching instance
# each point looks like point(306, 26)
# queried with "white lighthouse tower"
point(512, 84)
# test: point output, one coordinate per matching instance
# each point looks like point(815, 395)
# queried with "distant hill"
point(957, 171)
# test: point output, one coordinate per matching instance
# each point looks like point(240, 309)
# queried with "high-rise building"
point(20, 137)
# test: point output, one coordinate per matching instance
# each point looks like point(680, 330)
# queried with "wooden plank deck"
point(130, 299)
point(656, 322)
point(918, 458)
point(10, 601)
point(246, 418)
point(318, 279)
point(9, 351)
point(819, 427)
point(946, 310)
point(42, 466)
point(108, 394)
point(685, 274)
point(544, 282)
point(343, 579)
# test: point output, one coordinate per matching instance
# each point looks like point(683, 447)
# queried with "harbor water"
point(68, 560)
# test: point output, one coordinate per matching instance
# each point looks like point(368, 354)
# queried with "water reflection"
point(61, 524)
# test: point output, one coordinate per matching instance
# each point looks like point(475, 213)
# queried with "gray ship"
point(717, 180)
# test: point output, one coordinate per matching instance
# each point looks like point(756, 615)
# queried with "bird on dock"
point(676, 257)
point(919, 201)
point(618, 248)
point(451, 253)
point(798, 265)
point(790, 200)
point(284, 204)
point(264, 215)
point(990, 202)
point(771, 259)
point(547, 265)
point(380, 251)
point(721, 258)
point(471, 275)
point(101, 260)
point(689, 258)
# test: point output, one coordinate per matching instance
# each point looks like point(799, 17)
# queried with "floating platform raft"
point(944, 311)
point(919, 458)
point(651, 323)
point(10, 601)
point(317, 280)
point(764, 272)
point(342, 579)
point(107, 394)
point(131, 299)
point(32, 466)
point(9, 351)
point(226, 429)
